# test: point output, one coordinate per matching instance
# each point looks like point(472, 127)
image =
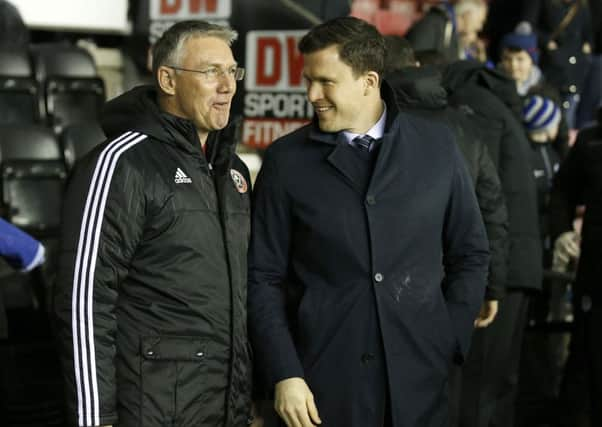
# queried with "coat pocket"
point(173, 378)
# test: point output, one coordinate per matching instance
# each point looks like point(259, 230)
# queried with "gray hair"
point(168, 49)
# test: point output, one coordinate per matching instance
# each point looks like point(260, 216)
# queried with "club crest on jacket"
point(239, 181)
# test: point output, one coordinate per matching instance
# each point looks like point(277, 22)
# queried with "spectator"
point(578, 182)
point(490, 374)
point(564, 30)
point(419, 90)
point(451, 29)
point(591, 96)
point(520, 58)
point(542, 117)
point(22, 252)
point(19, 249)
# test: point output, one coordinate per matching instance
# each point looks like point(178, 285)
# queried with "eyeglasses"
point(211, 74)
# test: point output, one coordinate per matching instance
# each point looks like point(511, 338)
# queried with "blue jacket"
point(366, 295)
point(18, 248)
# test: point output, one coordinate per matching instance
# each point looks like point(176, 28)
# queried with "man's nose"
point(314, 92)
point(226, 82)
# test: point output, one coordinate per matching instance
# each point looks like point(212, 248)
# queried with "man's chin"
point(327, 126)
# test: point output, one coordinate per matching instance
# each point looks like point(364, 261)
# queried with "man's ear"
point(166, 80)
point(372, 82)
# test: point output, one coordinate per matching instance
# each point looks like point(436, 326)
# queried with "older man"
point(151, 297)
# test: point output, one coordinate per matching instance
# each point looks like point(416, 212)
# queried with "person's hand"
point(295, 404)
point(256, 419)
point(566, 248)
point(552, 45)
point(257, 422)
point(487, 314)
point(587, 48)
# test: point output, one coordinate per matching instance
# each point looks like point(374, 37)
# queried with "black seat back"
point(15, 62)
point(78, 139)
point(28, 143)
point(73, 100)
point(61, 60)
point(33, 174)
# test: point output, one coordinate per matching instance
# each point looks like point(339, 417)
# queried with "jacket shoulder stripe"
point(83, 278)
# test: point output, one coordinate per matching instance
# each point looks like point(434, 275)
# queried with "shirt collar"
point(377, 131)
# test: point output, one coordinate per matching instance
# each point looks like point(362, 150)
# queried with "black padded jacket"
point(151, 294)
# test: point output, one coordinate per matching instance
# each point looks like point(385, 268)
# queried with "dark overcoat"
point(366, 295)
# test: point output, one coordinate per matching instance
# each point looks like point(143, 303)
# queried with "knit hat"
point(522, 38)
point(540, 114)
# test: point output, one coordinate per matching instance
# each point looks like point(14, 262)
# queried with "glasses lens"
point(239, 74)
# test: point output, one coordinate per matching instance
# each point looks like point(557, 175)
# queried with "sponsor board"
point(164, 13)
point(274, 101)
point(261, 132)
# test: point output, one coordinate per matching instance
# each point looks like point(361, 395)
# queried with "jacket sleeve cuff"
point(495, 293)
point(287, 369)
point(105, 420)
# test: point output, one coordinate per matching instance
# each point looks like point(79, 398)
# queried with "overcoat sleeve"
point(465, 256)
point(492, 203)
point(270, 332)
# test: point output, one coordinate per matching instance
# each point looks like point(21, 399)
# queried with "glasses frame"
point(239, 73)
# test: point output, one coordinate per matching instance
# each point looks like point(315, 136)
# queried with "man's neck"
point(371, 120)
point(202, 137)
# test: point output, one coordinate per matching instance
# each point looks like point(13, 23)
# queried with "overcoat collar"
point(388, 164)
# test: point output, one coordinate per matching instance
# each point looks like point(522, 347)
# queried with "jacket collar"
point(138, 110)
point(389, 163)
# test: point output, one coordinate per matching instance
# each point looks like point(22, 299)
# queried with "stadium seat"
point(73, 100)
point(78, 139)
point(28, 143)
point(20, 102)
point(61, 60)
point(33, 174)
point(73, 92)
point(15, 63)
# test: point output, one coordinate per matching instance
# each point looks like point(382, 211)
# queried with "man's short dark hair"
point(168, 49)
point(360, 44)
point(399, 53)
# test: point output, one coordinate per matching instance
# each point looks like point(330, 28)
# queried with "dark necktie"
point(364, 142)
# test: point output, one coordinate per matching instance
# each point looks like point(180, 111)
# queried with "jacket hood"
point(460, 73)
point(137, 110)
point(418, 87)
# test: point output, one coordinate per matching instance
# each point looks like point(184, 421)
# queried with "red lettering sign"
point(172, 7)
point(295, 62)
point(210, 5)
point(265, 46)
point(273, 62)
